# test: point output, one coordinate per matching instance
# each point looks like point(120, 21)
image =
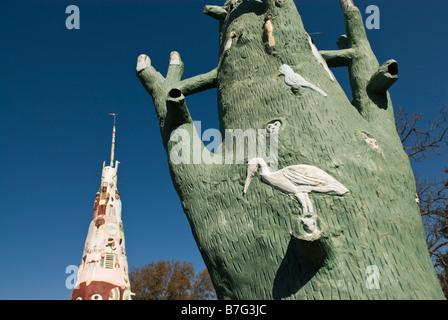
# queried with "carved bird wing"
point(228, 44)
point(307, 175)
point(293, 78)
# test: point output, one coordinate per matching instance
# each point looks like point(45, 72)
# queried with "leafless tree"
point(420, 143)
point(171, 280)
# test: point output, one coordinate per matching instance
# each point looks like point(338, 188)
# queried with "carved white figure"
point(298, 180)
point(143, 62)
point(269, 30)
point(319, 57)
point(310, 225)
point(292, 79)
point(229, 41)
point(273, 127)
point(175, 58)
point(371, 142)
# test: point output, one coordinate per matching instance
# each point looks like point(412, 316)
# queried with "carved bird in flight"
point(298, 180)
point(292, 78)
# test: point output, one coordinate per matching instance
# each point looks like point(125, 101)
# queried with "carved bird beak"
point(251, 170)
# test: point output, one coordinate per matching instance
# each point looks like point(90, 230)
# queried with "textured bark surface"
point(251, 244)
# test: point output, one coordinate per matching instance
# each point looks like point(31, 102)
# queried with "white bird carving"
point(298, 180)
point(319, 58)
point(292, 78)
point(229, 40)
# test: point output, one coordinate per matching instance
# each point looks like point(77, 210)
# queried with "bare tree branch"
point(420, 143)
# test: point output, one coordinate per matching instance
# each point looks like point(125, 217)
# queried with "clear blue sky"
point(57, 87)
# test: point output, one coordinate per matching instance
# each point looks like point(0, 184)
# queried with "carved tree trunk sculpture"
point(365, 241)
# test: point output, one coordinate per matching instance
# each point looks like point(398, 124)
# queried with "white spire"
point(113, 141)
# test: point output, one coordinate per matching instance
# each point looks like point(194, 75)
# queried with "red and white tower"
point(103, 273)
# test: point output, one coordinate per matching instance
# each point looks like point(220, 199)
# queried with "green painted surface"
point(251, 244)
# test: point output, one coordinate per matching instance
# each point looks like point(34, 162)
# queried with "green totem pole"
point(334, 215)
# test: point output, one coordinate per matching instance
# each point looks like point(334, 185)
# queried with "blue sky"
point(57, 87)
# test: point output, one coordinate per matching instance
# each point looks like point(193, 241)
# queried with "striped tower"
point(103, 273)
